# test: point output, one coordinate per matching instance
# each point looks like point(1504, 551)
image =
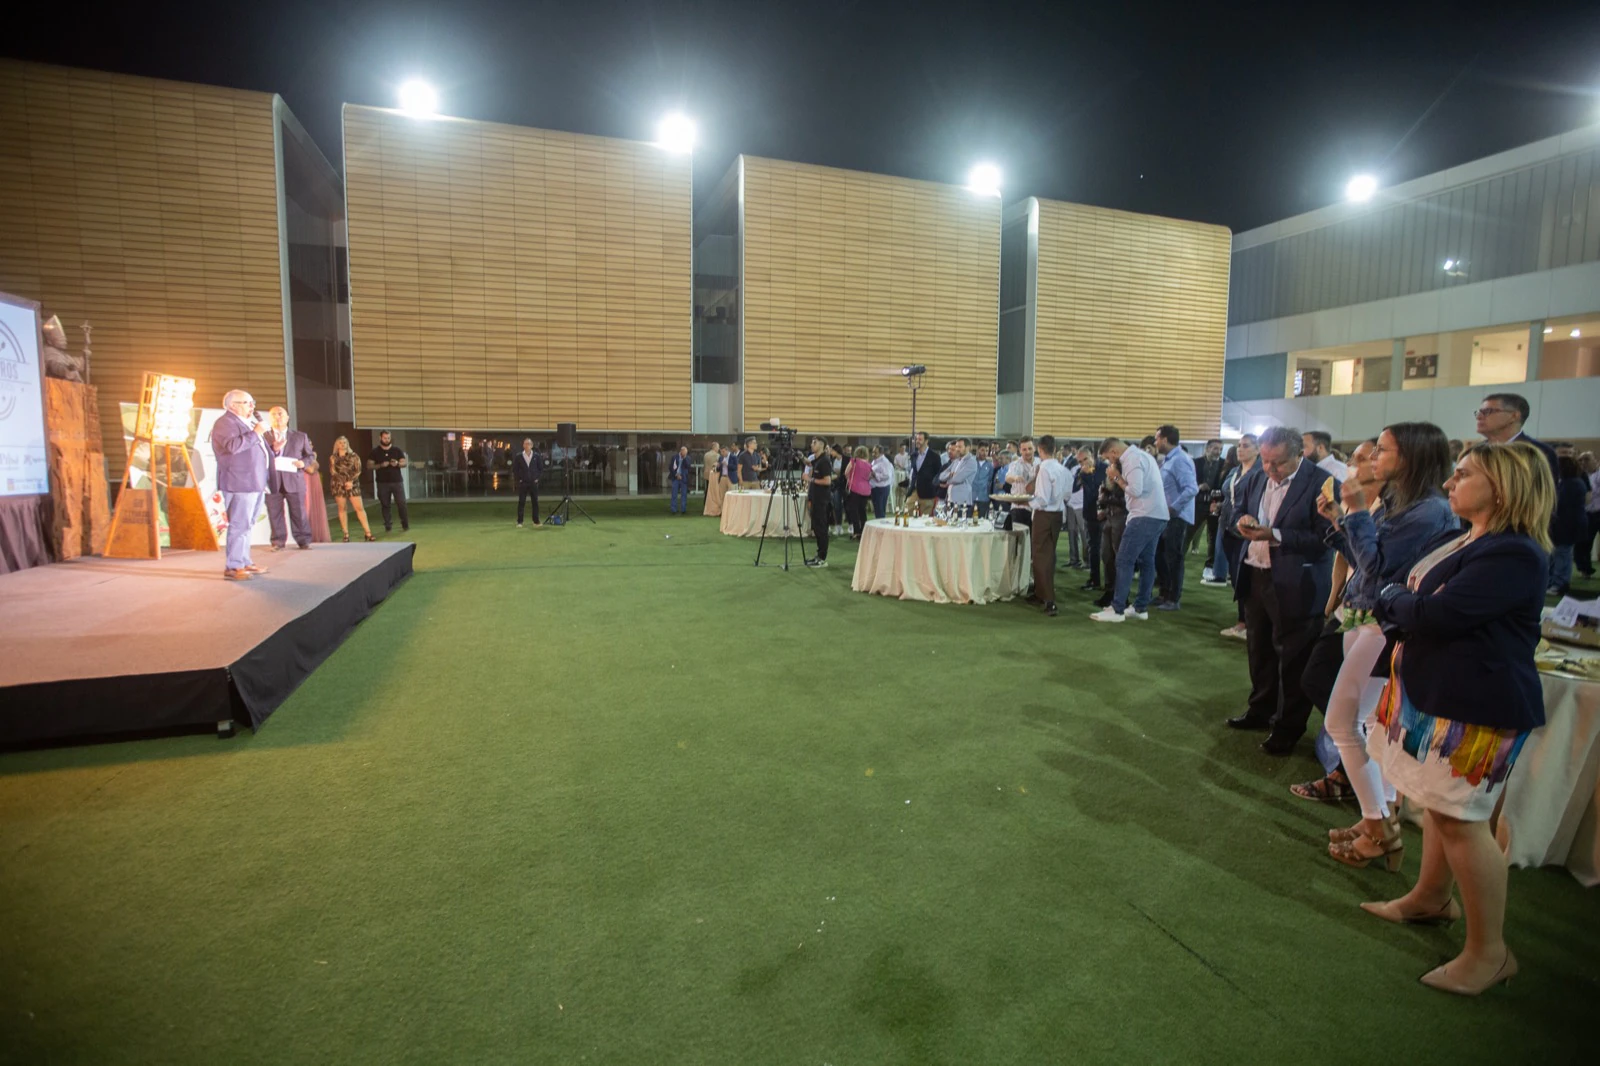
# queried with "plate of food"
point(1012, 497)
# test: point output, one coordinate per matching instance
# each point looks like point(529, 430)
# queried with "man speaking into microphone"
point(242, 462)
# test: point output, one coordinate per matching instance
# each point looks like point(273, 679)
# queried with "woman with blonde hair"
point(344, 474)
point(1463, 695)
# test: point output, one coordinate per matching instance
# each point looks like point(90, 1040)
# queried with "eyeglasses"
point(1485, 412)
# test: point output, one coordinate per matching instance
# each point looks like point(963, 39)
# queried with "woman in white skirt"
point(1463, 694)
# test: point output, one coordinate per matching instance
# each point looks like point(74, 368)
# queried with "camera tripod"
point(792, 512)
point(564, 508)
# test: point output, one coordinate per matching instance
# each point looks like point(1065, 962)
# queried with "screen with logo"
point(23, 469)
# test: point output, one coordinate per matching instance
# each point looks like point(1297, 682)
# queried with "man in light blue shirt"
point(958, 473)
point(982, 480)
point(1180, 484)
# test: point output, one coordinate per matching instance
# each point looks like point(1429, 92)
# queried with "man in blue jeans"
point(1179, 482)
point(678, 476)
point(1136, 472)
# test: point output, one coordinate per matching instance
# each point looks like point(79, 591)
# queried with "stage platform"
point(101, 649)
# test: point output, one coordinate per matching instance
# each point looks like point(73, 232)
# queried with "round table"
point(744, 511)
point(941, 564)
point(1550, 814)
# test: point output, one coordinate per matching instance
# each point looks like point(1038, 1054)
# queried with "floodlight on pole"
point(419, 99)
point(984, 179)
point(676, 133)
point(1361, 188)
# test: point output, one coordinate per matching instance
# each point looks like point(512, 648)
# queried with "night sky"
point(1239, 116)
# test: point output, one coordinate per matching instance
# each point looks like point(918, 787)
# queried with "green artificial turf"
point(610, 794)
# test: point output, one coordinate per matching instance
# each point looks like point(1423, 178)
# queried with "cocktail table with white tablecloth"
point(744, 511)
point(942, 564)
point(1551, 811)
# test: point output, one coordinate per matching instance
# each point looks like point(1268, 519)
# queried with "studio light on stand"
point(913, 373)
point(166, 408)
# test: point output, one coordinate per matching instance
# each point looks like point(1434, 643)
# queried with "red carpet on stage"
point(96, 649)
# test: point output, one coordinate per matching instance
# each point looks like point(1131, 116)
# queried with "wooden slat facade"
point(847, 277)
point(503, 277)
point(148, 209)
point(1131, 322)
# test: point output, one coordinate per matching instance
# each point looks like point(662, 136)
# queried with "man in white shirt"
point(882, 477)
point(957, 475)
point(1051, 483)
point(1135, 470)
point(1019, 482)
point(902, 480)
point(1318, 447)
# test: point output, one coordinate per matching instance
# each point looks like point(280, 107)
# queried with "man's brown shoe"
point(254, 569)
point(237, 575)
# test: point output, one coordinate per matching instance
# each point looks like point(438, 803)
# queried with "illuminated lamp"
point(1361, 188)
point(164, 422)
point(984, 180)
point(676, 133)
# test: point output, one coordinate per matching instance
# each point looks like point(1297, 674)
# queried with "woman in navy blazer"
point(1463, 695)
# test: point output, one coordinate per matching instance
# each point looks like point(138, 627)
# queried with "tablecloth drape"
point(939, 563)
point(1551, 811)
point(744, 512)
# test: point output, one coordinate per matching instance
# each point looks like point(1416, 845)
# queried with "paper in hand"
point(282, 463)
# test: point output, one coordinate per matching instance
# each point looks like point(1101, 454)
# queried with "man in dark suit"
point(1284, 576)
point(679, 473)
point(925, 471)
point(286, 489)
point(242, 461)
point(1091, 476)
point(1500, 419)
point(527, 467)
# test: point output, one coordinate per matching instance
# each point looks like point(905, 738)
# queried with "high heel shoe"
point(1440, 979)
point(1391, 828)
point(1390, 912)
point(369, 536)
point(1390, 848)
point(347, 538)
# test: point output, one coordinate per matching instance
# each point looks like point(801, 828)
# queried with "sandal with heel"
point(1364, 850)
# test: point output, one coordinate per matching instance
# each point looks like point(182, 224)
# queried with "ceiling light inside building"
point(1549, 330)
point(1575, 333)
point(1361, 188)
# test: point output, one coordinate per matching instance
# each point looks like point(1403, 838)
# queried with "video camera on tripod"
point(786, 457)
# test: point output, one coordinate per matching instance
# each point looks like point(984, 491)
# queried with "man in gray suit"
point(286, 489)
point(242, 462)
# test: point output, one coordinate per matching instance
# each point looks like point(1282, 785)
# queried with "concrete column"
point(1535, 350)
point(1397, 365)
point(633, 464)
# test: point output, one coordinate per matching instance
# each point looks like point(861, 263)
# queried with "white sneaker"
point(1237, 632)
point(1213, 582)
point(1105, 614)
point(1143, 616)
point(1207, 576)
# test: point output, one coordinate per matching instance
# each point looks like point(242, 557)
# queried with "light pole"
point(913, 373)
